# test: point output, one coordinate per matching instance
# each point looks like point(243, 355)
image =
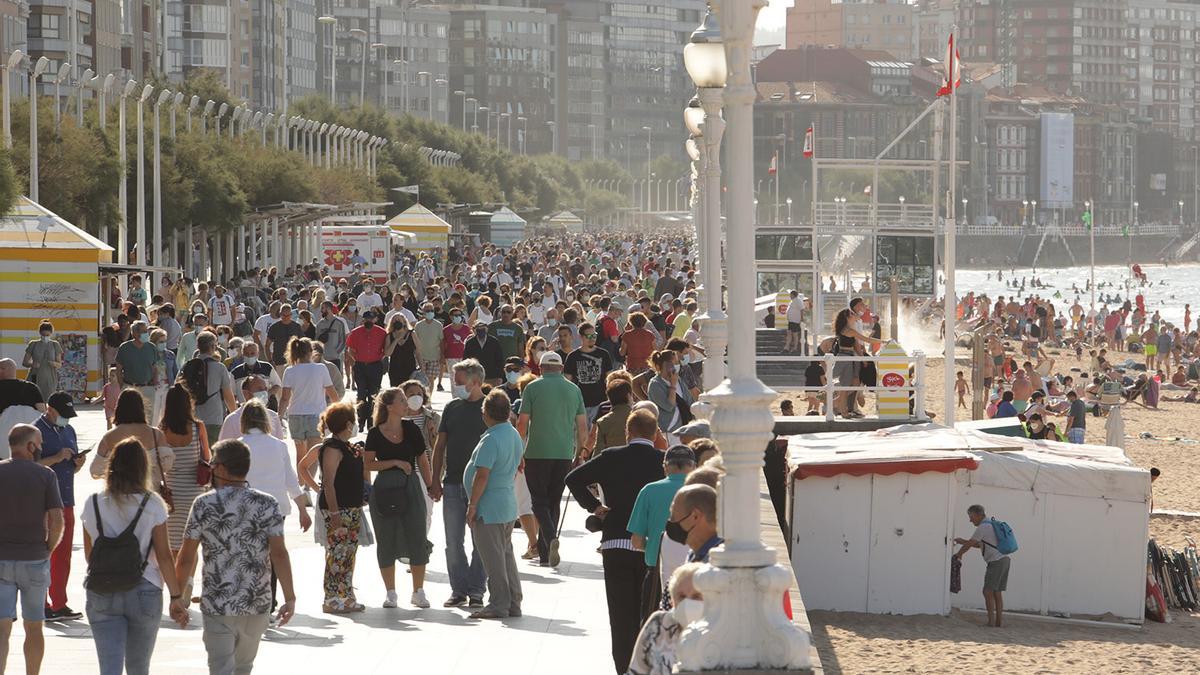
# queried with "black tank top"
point(348, 482)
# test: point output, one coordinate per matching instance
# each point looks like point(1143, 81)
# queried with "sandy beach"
point(866, 643)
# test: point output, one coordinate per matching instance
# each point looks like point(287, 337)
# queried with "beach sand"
point(864, 643)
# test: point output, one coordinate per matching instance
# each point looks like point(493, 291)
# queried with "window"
point(909, 259)
point(783, 247)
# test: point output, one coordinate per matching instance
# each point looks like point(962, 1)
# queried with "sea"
point(1167, 290)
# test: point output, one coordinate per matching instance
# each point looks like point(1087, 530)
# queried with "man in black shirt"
point(459, 432)
point(487, 350)
point(621, 472)
point(588, 367)
point(17, 392)
point(279, 334)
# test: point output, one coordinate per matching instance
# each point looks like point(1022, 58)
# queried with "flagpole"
point(776, 187)
point(951, 227)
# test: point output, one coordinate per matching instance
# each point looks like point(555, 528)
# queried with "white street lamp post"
point(220, 113)
point(524, 131)
point(553, 136)
point(83, 79)
point(63, 72)
point(362, 83)
point(14, 60)
point(163, 97)
point(208, 108)
point(649, 152)
point(332, 23)
point(40, 67)
point(140, 176)
point(743, 627)
point(122, 187)
point(429, 76)
point(463, 95)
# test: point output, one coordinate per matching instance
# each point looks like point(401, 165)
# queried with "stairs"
point(1179, 253)
point(776, 374)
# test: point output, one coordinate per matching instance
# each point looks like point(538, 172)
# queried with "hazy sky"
point(771, 16)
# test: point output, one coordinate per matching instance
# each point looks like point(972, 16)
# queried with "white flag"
point(409, 189)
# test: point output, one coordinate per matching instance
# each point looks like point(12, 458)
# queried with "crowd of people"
point(232, 405)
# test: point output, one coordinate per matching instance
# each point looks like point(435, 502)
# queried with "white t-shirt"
point(795, 310)
point(403, 311)
point(261, 325)
point(307, 382)
point(986, 535)
point(222, 309)
point(118, 513)
point(369, 300)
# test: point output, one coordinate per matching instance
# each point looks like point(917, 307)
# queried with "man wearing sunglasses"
point(588, 367)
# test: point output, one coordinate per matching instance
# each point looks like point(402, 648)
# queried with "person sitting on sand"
point(1192, 396)
point(1179, 379)
point(995, 580)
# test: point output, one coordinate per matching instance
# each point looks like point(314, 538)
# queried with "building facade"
point(416, 40)
point(855, 24)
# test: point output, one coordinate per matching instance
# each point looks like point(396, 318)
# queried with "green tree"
point(8, 183)
point(209, 85)
point(269, 175)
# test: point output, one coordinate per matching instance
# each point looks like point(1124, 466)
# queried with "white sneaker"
point(418, 599)
point(391, 601)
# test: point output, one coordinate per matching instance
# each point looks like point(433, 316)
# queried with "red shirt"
point(366, 344)
point(454, 340)
point(639, 344)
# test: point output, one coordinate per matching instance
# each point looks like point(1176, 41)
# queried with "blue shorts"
point(302, 427)
point(29, 578)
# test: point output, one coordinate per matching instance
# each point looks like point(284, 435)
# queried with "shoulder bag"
point(204, 462)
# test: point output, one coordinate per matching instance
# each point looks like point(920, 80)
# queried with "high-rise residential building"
point(646, 78)
point(141, 39)
point(300, 51)
point(15, 17)
point(934, 22)
point(854, 24)
point(418, 38)
point(84, 33)
point(583, 94)
point(217, 36)
point(267, 59)
point(1160, 65)
point(353, 35)
point(505, 57)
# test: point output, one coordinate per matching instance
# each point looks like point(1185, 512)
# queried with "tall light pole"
point(504, 116)
point(474, 114)
point(524, 131)
point(83, 79)
point(40, 67)
point(487, 121)
point(362, 83)
point(163, 97)
point(553, 136)
point(14, 60)
point(140, 175)
point(403, 84)
point(220, 113)
point(174, 108)
point(463, 95)
point(429, 75)
point(649, 151)
point(64, 71)
point(375, 47)
point(332, 23)
point(123, 187)
point(743, 627)
point(208, 108)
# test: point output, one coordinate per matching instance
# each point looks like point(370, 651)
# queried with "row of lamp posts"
point(744, 626)
point(322, 144)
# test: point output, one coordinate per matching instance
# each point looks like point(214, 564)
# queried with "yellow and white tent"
point(430, 231)
point(568, 221)
point(50, 270)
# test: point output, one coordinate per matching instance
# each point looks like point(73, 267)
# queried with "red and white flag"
point(773, 168)
point(808, 143)
point(953, 69)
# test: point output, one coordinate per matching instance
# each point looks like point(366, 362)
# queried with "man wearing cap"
point(60, 452)
point(649, 517)
point(621, 472)
point(693, 430)
point(553, 422)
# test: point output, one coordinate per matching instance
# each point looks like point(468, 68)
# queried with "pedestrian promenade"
point(564, 627)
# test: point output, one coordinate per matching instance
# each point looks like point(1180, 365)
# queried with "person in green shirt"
point(652, 508)
point(553, 423)
point(509, 333)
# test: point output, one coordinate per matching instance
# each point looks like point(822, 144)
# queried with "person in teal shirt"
point(492, 506)
point(652, 508)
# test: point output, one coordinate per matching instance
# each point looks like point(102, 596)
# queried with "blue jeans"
point(31, 580)
point(466, 579)
point(124, 627)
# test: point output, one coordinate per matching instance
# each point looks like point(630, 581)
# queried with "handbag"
point(203, 468)
point(392, 500)
point(164, 490)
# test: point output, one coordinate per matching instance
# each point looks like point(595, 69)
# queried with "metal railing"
point(917, 385)
point(880, 216)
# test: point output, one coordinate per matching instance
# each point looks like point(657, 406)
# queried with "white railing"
point(880, 216)
point(916, 386)
point(1112, 230)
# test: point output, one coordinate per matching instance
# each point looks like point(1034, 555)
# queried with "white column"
point(743, 626)
point(244, 259)
point(187, 253)
point(714, 326)
point(230, 250)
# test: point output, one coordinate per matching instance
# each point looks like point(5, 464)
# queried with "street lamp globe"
point(704, 55)
point(693, 117)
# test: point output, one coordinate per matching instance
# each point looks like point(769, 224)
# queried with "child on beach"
point(960, 386)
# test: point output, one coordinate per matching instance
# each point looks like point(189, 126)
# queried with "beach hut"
point(430, 232)
point(875, 514)
point(50, 270)
point(507, 227)
point(568, 221)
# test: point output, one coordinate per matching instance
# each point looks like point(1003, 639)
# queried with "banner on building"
point(1058, 160)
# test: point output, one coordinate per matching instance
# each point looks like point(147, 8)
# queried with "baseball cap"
point(62, 404)
point(699, 428)
point(679, 453)
point(550, 359)
point(514, 361)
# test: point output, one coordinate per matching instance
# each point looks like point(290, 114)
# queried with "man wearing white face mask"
point(254, 388)
point(251, 365)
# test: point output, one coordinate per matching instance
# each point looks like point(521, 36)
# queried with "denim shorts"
point(29, 578)
point(303, 426)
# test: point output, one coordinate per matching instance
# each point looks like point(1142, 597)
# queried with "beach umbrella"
point(1114, 428)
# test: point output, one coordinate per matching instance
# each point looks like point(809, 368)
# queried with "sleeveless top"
point(348, 482)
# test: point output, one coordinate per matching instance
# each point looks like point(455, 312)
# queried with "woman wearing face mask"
point(428, 421)
point(401, 349)
point(534, 348)
point(667, 392)
point(483, 311)
point(394, 447)
point(654, 652)
point(43, 358)
point(188, 439)
point(306, 388)
point(1037, 429)
point(454, 339)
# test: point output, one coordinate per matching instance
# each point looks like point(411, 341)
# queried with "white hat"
point(550, 359)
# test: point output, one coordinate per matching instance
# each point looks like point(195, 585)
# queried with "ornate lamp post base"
point(716, 338)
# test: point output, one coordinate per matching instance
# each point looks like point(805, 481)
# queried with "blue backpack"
point(1006, 541)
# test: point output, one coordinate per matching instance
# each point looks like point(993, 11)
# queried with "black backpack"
point(195, 378)
point(116, 563)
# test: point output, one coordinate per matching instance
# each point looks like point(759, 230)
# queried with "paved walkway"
point(565, 621)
